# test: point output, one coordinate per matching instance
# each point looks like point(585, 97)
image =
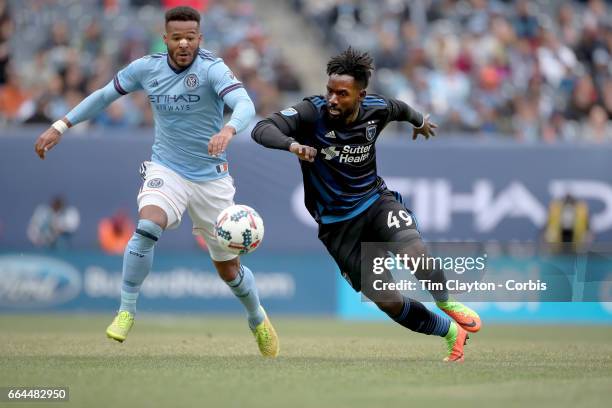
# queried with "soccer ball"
point(239, 229)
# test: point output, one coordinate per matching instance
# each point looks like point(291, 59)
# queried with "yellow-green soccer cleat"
point(266, 337)
point(463, 315)
point(120, 327)
point(456, 339)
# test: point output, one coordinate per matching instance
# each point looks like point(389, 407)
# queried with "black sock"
point(416, 317)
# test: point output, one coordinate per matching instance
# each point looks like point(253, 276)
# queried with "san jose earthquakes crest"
point(370, 132)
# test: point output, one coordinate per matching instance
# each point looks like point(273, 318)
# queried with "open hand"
point(426, 130)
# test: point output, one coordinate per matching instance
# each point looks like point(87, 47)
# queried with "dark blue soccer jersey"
point(342, 182)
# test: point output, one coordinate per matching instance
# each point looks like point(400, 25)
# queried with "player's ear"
point(362, 95)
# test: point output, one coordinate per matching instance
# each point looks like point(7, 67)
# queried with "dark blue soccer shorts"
point(387, 220)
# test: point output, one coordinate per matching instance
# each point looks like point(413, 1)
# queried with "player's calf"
point(241, 282)
point(414, 248)
point(137, 262)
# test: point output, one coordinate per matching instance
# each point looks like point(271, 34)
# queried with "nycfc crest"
point(155, 183)
point(191, 81)
point(370, 132)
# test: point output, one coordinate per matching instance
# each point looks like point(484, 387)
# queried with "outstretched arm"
point(280, 130)
point(126, 80)
point(87, 109)
point(401, 111)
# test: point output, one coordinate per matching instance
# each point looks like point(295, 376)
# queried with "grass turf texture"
point(213, 362)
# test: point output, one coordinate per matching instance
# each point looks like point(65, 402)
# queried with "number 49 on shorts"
point(395, 221)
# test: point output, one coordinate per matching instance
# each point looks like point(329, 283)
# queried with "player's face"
point(343, 97)
point(182, 39)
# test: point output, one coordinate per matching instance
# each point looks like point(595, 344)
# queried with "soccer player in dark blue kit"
point(334, 137)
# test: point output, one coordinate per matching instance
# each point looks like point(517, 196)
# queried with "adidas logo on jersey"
point(153, 83)
point(330, 135)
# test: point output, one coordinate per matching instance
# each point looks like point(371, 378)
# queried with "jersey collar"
point(178, 71)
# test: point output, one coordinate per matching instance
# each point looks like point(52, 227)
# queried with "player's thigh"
point(343, 242)
point(391, 221)
point(208, 200)
point(165, 189)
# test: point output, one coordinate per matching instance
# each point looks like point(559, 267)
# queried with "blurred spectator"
point(598, 128)
point(82, 52)
point(199, 5)
point(569, 26)
point(560, 129)
point(6, 30)
point(582, 99)
point(477, 65)
point(525, 120)
point(114, 232)
point(115, 115)
point(52, 225)
point(12, 96)
point(91, 43)
point(525, 23)
point(37, 75)
point(39, 113)
point(58, 46)
point(531, 69)
point(607, 97)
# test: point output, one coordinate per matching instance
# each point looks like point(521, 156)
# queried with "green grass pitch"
point(213, 362)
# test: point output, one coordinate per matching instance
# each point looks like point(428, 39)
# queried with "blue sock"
point(245, 290)
point(137, 261)
point(416, 317)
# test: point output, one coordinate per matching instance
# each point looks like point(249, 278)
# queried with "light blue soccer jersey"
point(188, 109)
point(187, 106)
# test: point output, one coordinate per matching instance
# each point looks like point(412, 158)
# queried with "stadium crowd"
point(536, 70)
point(88, 41)
point(531, 70)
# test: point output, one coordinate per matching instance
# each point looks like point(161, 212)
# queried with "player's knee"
point(146, 236)
point(155, 214)
point(389, 301)
point(228, 270)
point(411, 243)
point(408, 237)
point(390, 307)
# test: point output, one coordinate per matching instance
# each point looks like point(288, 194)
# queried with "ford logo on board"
point(28, 281)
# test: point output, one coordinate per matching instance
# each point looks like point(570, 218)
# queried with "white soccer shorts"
point(203, 200)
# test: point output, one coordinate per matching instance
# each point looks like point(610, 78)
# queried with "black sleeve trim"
point(118, 86)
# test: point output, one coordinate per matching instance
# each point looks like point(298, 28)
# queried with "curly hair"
point(182, 13)
point(351, 62)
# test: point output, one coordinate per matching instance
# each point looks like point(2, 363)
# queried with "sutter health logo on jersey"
point(348, 154)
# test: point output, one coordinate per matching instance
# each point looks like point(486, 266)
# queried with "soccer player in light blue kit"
point(187, 88)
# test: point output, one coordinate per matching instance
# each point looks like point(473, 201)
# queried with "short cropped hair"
point(351, 62)
point(182, 13)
